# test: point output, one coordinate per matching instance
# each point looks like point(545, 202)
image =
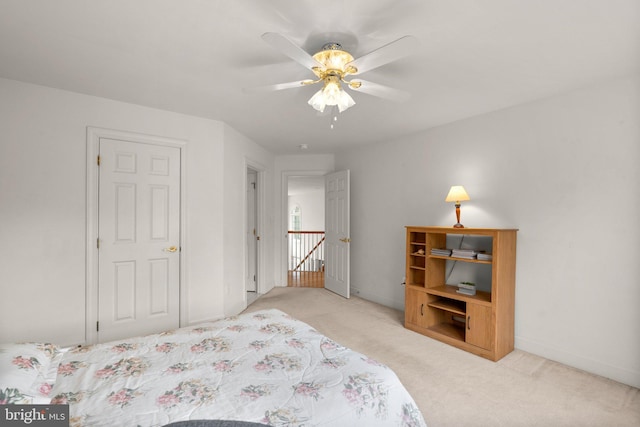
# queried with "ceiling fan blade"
point(279, 86)
point(290, 49)
point(385, 54)
point(379, 90)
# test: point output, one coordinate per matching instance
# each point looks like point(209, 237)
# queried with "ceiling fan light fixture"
point(331, 94)
point(332, 65)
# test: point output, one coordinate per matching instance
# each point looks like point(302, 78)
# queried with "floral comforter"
point(264, 367)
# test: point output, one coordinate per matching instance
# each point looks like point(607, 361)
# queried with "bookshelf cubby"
point(482, 323)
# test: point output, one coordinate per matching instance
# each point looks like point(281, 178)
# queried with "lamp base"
point(458, 225)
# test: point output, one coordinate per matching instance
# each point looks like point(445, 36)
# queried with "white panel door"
point(337, 240)
point(138, 237)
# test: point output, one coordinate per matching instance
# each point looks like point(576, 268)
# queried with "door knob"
point(345, 240)
point(171, 249)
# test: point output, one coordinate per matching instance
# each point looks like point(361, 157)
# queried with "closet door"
point(139, 239)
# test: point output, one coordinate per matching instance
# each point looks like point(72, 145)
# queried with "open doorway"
point(305, 230)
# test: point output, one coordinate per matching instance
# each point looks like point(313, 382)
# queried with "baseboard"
point(370, 296)
point(615, 373)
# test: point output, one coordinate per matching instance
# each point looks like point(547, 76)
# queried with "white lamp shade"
point(457, 193)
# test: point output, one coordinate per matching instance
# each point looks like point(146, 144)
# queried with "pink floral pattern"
point(12, 395)
point(191, 392)
point(295, 343)
point(66, 369)
point(258, 345)
point(121, 348)
point(308, 389)
point(279, 361)
point(69, 397)
point(254, 392)
point(201, 329)
point(26, 363)
point(283, 417)
point(51, 350)
point(335, 363)
point(277, 328)
point(45, 389)
point(211, 344)
point(225, 366)
point(411, 416)
point(122, 397)
point(178, 368)
point(364, 391)
point(166, 347)
point(130, 367)
point(264, 367)
point(330, 345)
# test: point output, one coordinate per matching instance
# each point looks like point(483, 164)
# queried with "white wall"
point(311, 205)
point(239, 153)
point(565, 172)
point(42, 207)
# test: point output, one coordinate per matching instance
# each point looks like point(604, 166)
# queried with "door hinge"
point(97, 326)
point(98, 243)
point(98, 160)
point(254, 277)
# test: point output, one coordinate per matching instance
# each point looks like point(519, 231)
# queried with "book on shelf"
point(485, 257)
point(440, 252)
point(464, 253)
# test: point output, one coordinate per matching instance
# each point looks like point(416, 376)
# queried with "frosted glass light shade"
point(317, 101)
point(457, 193)
point(345, 101)
point(331, 94)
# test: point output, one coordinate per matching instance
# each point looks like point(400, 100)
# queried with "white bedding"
point(263, 367)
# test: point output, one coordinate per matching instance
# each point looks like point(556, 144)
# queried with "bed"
point(263, 367)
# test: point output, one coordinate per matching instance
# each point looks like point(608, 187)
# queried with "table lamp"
point(456, 194)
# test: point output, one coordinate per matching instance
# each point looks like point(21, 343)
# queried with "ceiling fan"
point(332, 66)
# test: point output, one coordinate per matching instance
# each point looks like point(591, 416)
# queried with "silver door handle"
point(171, 249)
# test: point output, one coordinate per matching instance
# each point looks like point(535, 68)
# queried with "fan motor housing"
point(334, 60)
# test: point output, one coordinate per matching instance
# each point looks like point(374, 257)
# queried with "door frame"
point(260, 169)
point(284, 217)
point(94, 134)
point(252, 239)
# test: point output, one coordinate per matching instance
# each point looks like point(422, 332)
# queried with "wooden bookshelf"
point(482, 323)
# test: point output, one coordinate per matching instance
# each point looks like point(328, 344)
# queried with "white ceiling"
point(196, 56)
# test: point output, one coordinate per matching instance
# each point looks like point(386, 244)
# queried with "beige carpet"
point(455, 388)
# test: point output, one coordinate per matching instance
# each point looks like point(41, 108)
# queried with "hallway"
point(305, 279)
